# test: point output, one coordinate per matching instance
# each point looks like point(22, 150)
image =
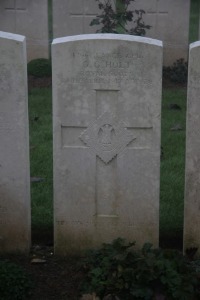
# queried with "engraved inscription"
point(107, 137)
point(16, 5)
point(102, 221)
point(113, 67)
point(4, 79)
point(157, 12)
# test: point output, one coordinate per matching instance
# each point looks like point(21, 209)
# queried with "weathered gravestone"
point(169, 20)
point(29, 18)
point(170, 23)
point(192, 179)
point(107, 98)
point(14, 146)
point(73, 17)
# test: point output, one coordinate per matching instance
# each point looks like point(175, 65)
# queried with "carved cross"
point(106, 137)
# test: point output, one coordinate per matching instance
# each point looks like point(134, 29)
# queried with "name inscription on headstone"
point(107, 68)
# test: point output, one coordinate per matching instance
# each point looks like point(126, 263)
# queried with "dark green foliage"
point(115, 20)
point(14, 282)
point(40, 67)
point(116, 269)
point(177, 73)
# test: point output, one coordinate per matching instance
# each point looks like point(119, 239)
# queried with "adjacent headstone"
point(192, 179)
point(169, 20)
point(106, 114)
point(14, 146)
point(73, 17)
point(29, 18)
point(170, 23)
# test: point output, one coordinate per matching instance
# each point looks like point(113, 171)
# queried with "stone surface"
point(14, 146)
point(192, 177)
point(170, 23)
point(29, 18)
point(106, 115)
point(73, 17)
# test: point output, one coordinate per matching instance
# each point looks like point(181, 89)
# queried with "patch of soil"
point(59, 278)
point(55, 279)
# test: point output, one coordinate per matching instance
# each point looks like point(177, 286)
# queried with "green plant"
point(115, 19)
point(40, 67)
point(117, 270)
point(14, 282)
point(177, 72)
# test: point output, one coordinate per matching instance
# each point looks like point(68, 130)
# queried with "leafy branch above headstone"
point(114, 18)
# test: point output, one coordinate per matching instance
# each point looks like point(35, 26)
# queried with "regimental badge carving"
point(107, 137)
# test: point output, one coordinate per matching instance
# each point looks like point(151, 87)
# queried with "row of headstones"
point(106, 128)
point(169, 20)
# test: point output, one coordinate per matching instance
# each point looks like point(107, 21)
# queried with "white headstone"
point(14, 146)
point(29, 18)
point(106, 114)
point(192, 179)
point(170, 23)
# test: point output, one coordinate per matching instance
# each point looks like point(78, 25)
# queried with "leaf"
point(146, 248)
point(94, 22)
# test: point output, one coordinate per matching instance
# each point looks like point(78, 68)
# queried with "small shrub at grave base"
point(40, 67)
point(117, 270)
point(15, 284)
point(177, 73)
point(114, 20)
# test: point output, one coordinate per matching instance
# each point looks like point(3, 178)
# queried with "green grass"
point(172, 163)
point(40, 115)
point(194, 21)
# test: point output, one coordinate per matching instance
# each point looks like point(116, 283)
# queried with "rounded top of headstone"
point(12, 36)
point(108, 36)
point(194, 45)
